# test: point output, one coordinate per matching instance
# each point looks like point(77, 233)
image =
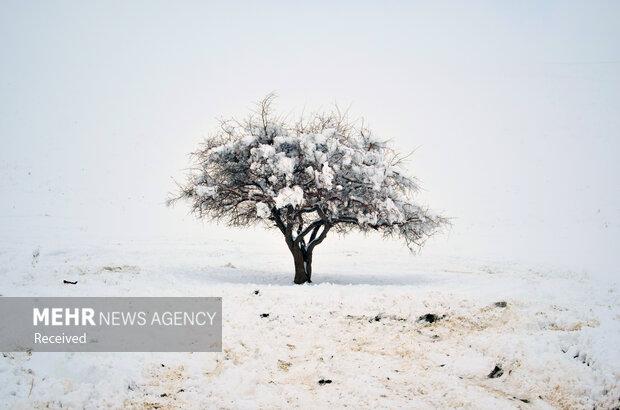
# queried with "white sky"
point(514, 109)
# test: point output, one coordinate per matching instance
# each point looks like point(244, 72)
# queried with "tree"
point(318, 174)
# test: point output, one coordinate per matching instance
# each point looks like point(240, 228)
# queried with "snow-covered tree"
point(319, 174)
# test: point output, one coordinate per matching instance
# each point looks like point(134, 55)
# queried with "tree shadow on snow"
point(383, 279)
point(241, 276)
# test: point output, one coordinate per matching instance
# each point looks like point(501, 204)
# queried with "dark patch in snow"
point(264, 315)
point(163, 395)
point(500, 304)
point(430, 318)
point(35, 256)
point(69, 282)
point(496, 372)
point(324, 381)
point(256, 292)
point(582, 357)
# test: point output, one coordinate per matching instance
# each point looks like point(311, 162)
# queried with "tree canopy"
point(305, 177)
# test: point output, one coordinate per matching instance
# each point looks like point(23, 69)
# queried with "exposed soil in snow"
point(377, 329)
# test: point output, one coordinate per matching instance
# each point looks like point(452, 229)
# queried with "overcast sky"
point(513, 109)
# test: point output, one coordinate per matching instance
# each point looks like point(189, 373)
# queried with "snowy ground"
point(555, 339)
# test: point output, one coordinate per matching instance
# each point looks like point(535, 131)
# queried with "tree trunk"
point(303, 266)
point(309, 266)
